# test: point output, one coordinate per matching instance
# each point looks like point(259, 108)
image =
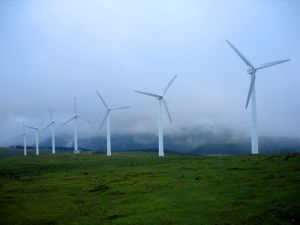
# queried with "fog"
point(51, 51)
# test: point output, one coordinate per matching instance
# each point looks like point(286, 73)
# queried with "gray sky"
point(53, 50)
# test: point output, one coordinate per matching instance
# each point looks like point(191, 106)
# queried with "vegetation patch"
point(140, 188)
point(79, 201)
point(116, 193)
point(114, 216)
point(99, 188)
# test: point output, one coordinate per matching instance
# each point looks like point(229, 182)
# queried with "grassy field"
point(140, 188)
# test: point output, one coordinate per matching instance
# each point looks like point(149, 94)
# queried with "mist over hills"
point(197, 140)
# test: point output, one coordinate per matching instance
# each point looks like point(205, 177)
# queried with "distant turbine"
point(52, 124)
point(75, 117)
point(25, 140)
point(37, 130)
point(251, 93)
point(107, 119)
point(161, 100)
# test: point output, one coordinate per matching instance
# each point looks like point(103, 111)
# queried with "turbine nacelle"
point(36, 128)
point(251, 70)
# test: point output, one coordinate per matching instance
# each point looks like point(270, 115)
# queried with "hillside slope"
point(196, 142)
point(140, 188)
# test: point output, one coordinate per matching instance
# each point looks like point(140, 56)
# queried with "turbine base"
point(76, 152)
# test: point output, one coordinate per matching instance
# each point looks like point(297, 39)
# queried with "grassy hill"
point(140, 188)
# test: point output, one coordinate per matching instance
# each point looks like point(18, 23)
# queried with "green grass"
point(140, 188)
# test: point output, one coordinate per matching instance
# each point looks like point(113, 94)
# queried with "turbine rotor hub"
point(251, 70)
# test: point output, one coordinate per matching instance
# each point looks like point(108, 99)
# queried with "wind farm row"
point(162, 107)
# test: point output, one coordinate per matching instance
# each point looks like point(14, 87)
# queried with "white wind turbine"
point(37, 130)
point(75, 117)
point(107, 119)
point(25, 140)
point(251, 93)
point(52, 124)
point(162, 101)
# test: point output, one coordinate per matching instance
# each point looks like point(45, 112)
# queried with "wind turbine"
point(251, 93)
point(107, 119)
point(37, 130)
point(75, 117)
point(161, 101)
point(25, 140)
point(52, 124)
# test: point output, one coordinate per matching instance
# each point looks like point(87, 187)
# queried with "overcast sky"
point(51, 51)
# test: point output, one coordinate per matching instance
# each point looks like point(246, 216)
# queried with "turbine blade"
point(167, 110)
point(62, 124)
point(41, 123)
point(272, 64)
point(123, 107)
point(65, 123)
point(75, 106)
point(250, 90)
point(240, 54)
point(169, 84)
point(150, 94)
point(86, 120)
point(102, 100)
point(47, 127)
point(104, 119)
point(34, 128)
point(51, 115)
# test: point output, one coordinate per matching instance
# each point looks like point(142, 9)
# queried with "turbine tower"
point(25, 140)
point(251, 93)
point(75, 117)
point(37, 130)
point(52, 124)
point(162, 102)
point(107, 119)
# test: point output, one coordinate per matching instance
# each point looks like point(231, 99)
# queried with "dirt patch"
point(99, 188)
point(114, 216)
